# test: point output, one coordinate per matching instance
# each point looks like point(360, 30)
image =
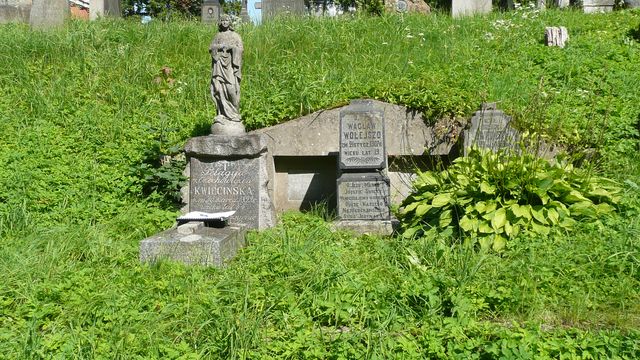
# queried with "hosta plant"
point(491, 196)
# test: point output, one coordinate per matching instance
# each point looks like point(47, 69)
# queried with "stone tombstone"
point(14, 11)
point(556, 36)
point(101, 8)
point(274, 8)
point(363, 196)
point(470, 7)
point(230, 173)
point(211, 10)
point(48, 13)
point(597, 6)
point(362, 136)
point(490, 128)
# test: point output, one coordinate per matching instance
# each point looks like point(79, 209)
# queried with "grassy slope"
point(74, 113)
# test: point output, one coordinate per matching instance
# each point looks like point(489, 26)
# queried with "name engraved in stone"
point(361, 140)
point(363, 200)
point(226, 185)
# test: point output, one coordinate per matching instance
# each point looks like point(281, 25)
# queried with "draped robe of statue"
point(226, 73)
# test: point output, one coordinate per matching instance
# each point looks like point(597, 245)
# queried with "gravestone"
point(470, 7)
point(490, 128)
point(363, 196)
point(563, 3)
point(362, 137)
point(363, 187)
point(102, 8)
point(274, 8)
point(556, 36)
point(14, 11)
point(211, 10)
point(597, 6)
point(229, 173)
point(48, 13)
point(194, 243)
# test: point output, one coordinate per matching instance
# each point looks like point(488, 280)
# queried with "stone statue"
point(226, 72)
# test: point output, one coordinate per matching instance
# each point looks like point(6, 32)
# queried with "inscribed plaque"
point(362, 137)
point(363, 197)
point(226, 185)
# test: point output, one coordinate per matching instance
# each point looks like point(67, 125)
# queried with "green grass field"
point(82, 107)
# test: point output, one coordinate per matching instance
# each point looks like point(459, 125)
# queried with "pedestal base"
point(193, 243)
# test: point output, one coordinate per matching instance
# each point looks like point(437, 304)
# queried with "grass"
point(81, 107)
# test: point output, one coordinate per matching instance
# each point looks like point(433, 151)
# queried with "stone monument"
point(48, 13)
point(470, 7)
point(102, 8)
point(211, 10)
point(227, 173)
point(14, 11)
point(363, 186)
point(490, 128)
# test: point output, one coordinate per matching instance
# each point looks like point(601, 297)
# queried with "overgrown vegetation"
point(494, 196)
point(85, 118)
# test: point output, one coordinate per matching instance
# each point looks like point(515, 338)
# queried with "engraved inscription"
point(226, 185)
point(363, 200)
point(362, 140)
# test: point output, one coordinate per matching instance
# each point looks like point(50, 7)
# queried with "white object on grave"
point(201, 216)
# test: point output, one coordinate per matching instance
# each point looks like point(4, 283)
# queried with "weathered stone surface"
point(14, 11)
point(102, 8)
point(308, 148)
point(470, 7)
point(226, 146)
point(563, 3)
point(632, 4)
point(411, 6)
point(211, 10)
point(556, 36)
point(362, 136)
point(230, 173)
point(363, 196)
point(317, 134)
point(369, 227)
point(597, 6)
point(48, 13)
point(193, 244)
point(274, 8)
point(490, 129)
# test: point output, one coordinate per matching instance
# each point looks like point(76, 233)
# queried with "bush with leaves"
point(491, 196)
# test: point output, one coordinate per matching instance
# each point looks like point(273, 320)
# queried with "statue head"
point(225, 23)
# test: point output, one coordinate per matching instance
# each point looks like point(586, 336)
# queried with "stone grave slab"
point(193, 243)
point(363, 196)
point(470, 7)
point(229, 173)
point(362, 136)
point(48, 13)
point(490, 128)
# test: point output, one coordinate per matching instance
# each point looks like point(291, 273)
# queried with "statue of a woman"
point(226, 73)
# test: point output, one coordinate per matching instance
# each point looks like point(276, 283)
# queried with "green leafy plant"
point(495, 195)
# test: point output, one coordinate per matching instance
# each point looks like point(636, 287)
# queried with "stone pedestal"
point(194, 244)
point(597, 6)
point(230, 173)
point(470, 7)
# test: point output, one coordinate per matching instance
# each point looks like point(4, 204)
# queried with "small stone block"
point(190, 227)
point(204, 246)
point(368, 227)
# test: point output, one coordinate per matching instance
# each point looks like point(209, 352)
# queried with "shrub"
point(492, 196)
